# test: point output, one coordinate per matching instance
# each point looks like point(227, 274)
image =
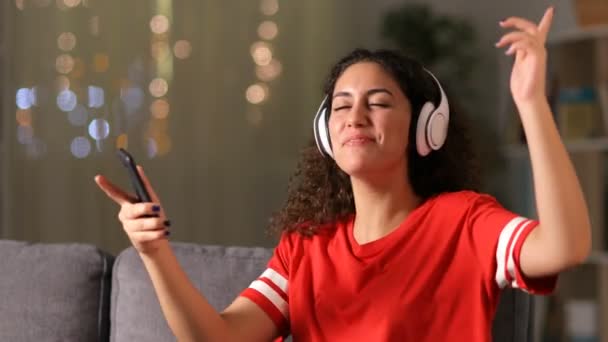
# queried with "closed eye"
point(340, 108)
point(383, 105)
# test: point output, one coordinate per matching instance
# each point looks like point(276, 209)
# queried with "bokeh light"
point(24, 117)
point(158, 87)
point(261, 53)
point(132, 97)
point(78, 116)
point(25, 134)
point(96, 97)
point(269, 72)
point(80, 147)
point(71, 3)
point(66, 41)
point(33, 96)
point(101, 62)
point(64, 63)
point(66, 100)
point(159, 24)
point(256, 93)
point(20, 4)
point(182, 49)
point(78, 69)
point(152, 148)
point(35, 149)
point(122, 141)
point(159, 108)
point(268, 30)
point(23, 99)
point(99, 129)
point(269, 7)
point(94, 25)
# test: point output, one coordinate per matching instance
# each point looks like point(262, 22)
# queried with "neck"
point(381, 204)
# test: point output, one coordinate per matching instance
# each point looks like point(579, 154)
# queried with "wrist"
point(534, 106)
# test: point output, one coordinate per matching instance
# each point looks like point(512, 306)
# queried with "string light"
point(85, 105)
point(267, 67)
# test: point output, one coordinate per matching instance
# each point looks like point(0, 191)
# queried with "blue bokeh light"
point(80, 147)
point(99, 129)
point(66, 100)
point(23, 98)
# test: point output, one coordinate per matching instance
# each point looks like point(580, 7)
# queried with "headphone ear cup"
point(422, 144)
point(437, 130)
point(321, 130)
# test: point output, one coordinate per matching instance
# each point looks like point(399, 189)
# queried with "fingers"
point(131, 211)
point(147, 184)
point(145, 224)
point(149, 235)
point(520, 47)
point(513, 37)
point(541, 30)
point(112, 191)
point(520, 24)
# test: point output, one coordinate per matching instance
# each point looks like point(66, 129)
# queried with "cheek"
point(332, 127)
point(399, 133)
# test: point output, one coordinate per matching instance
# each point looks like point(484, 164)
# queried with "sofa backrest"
point(221, 273)
point(54, 292)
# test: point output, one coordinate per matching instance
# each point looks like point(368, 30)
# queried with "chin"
point(355, 167)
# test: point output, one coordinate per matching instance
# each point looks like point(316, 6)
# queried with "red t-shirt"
point(436, 277)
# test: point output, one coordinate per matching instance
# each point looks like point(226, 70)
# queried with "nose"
point(358, 115)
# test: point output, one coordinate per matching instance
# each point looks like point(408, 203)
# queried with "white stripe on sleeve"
point(511, 256)
point(276, 278)
point(271, 295)
point(501, 250)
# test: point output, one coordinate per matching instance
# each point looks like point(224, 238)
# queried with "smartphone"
point(140, 189)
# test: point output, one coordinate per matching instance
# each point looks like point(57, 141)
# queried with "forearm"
point(189, 315)
point(561, 207)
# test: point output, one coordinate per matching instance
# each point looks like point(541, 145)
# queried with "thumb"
point(147, 184)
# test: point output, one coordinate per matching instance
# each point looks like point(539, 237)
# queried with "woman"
point(383, 238)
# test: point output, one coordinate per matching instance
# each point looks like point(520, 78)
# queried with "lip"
point(357, 139)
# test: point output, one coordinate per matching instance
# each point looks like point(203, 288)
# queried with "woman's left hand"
point(527, 42)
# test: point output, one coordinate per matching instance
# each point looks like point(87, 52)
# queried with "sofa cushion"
point(54, 292)
point(220, 273)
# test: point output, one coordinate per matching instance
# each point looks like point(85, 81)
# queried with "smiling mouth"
point(358, 141)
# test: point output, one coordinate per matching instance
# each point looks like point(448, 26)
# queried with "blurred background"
point(215, 99)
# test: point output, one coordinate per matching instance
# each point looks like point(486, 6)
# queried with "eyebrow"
point(368, 93)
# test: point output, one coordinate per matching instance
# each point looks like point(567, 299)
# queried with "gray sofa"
point(75, 292)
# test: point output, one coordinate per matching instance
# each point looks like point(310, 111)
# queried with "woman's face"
point(369, 121)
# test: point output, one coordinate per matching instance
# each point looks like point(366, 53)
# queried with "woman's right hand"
point(145, 223)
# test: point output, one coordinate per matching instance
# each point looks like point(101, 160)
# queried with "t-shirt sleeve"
point(270, 290)
point(497, 237)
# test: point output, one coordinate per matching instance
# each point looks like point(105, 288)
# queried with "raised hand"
point(527, 42)
point(144, 223)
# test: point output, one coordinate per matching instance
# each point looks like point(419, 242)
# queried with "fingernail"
point(167, 233)
point(167, 223)
point(156, 208)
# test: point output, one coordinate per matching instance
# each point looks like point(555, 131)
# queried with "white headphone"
point(431, 132)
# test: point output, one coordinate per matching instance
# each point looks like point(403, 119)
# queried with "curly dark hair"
point(319, 192)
